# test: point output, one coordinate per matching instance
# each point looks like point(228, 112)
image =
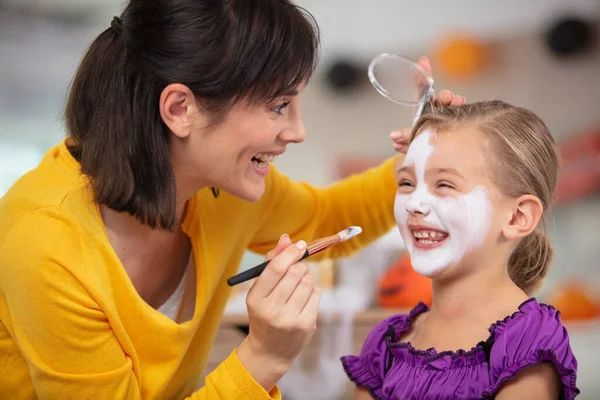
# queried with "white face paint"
point(465, 218)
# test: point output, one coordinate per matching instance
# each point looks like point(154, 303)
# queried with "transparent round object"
point(400, 79)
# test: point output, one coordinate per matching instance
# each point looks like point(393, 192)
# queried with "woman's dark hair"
point(224, 51)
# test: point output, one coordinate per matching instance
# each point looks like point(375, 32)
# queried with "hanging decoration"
point(569, 36)
point(343, 75)
point(580, 167)
point(462, 56)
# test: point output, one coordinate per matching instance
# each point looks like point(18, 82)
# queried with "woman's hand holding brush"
point(283, 304)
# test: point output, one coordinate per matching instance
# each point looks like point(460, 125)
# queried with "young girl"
point(472, 193)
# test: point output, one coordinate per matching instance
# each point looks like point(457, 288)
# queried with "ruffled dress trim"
point(361, 376)
point(568, 376)
point(507, 366)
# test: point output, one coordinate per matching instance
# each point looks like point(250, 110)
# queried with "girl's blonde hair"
point(523, 160)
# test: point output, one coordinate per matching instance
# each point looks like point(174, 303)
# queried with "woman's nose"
point(295, 132)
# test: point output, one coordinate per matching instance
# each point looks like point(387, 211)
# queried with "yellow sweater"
point(73, 325)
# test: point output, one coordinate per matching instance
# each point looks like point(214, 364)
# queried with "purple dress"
point(389, 369)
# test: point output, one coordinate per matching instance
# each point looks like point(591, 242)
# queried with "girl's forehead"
point(449, 148)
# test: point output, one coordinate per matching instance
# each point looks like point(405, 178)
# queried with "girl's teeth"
point(424, 236)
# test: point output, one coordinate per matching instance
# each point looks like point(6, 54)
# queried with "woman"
point(117, 247)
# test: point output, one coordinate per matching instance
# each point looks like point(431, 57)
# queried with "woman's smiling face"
point(234, 154)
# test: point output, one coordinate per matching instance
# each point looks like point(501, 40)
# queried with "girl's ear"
point(525, 217)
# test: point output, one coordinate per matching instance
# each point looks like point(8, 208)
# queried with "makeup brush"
point(312, 248)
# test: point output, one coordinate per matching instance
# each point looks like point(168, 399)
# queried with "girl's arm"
point(362, 394)
point(539, 382)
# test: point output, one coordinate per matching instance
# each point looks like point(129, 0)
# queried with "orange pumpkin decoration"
point(574, 303)
point(402, 287)
point(462, 56)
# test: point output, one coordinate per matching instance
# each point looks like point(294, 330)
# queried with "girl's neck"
point(484, 294)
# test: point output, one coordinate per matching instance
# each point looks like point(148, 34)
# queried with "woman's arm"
point(307, 212)
point(539, 382)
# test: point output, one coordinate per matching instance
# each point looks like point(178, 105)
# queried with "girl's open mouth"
point(426, 238)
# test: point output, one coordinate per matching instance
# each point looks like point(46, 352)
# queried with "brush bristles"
point(349, 233)
point(326, 242)
point(321, 244)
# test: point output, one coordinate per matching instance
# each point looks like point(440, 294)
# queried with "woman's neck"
point(187, 181)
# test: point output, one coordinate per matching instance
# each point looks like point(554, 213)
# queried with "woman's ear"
point(178, 107)
point(526, 215)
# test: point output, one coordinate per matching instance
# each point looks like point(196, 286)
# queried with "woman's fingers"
point(297, 301)
point(284, 242)
point(400, 148)
point(288, 284)
point(277, 269)
point(308, 315)
point(445, 97)
point(458, 100)
point(400, 140)
point(426, 64)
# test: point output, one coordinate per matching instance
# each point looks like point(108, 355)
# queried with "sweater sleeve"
point(306, 212)
point(62, 332)
point(231, 380)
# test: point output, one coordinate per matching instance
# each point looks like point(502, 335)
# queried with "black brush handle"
point(253, 272)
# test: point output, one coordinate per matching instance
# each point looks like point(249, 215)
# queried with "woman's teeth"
point(265, 158)
point(261, 160)
point(259, 163)
point(429, 237)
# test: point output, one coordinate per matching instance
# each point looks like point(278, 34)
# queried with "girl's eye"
point(444, 184)
point(279, 108)
point(405, 182)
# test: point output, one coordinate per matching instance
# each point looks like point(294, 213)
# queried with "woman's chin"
point(249, 191)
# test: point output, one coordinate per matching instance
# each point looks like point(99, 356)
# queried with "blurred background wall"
point(522, 52)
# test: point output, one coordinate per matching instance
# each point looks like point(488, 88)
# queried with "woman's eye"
point(405, 183)
point(279, 108)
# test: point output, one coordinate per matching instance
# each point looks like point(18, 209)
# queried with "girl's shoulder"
point(533, 325)
point(530, 336)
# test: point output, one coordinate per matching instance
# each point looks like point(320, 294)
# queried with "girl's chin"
point(438, 273)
